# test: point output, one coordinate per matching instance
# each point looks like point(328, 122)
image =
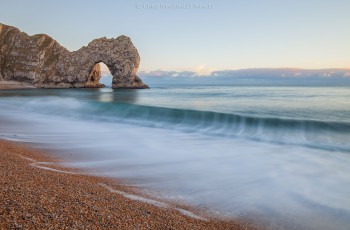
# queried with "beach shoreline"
point(7, 85)
point(37, 192)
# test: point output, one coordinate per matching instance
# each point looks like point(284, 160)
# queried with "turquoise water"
point(280, 154)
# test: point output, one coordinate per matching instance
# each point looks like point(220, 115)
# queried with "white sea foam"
point(151, 201)
point(135, 197)
point(38, 164)
point(27, 158)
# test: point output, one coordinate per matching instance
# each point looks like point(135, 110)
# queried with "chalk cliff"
point(41, 61)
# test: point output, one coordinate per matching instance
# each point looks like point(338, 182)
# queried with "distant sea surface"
point(279, 154)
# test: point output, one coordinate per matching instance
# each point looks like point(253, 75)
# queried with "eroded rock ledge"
point(41, 61)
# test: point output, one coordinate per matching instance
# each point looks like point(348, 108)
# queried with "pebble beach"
point(35, 194)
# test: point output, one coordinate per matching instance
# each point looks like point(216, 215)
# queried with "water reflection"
point(100, 95)
point(117, 95)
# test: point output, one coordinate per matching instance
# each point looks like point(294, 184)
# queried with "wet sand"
point(42, 195)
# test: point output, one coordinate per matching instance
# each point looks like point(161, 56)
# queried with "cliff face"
point(43, 62)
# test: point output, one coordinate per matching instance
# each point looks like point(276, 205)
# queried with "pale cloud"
point(164, 73)
point(203, 70)
point(263, 73)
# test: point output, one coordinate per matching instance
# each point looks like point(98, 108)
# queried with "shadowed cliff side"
point(41, 61)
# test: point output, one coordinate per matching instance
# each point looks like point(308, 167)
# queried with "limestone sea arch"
point(43, 62)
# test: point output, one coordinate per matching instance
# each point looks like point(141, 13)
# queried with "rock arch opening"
point(106, 75)
point(100, 76)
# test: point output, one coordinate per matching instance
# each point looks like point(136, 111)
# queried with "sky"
point(177, 35)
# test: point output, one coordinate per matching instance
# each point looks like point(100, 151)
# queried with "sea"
point(276, 154)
